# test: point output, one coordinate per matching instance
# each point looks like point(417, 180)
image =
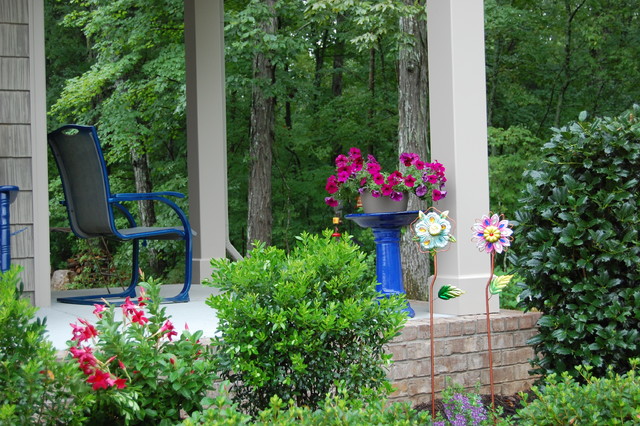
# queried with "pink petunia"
point(331, 202)
point(410, 181)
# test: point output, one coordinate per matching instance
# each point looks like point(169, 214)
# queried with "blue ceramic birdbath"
point(386, 229)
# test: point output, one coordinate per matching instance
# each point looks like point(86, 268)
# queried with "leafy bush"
point(333, 411)
point(579, 247)
point(34, 388)
point(303, 325)
point(139, 369)
point(614, 399)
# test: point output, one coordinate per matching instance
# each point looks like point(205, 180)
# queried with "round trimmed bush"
point(303, 325)
point(578, 252)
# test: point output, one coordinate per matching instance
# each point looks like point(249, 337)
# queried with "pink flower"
point(492, 234)
point(386, 189)
point(100, 380)
point(332, 186)
point(341, 160)
point(410, 181)
point(120, 383)
point(378, 179)
point(168, 326)
point(128, 306)
point(138, 316)
point(438, 195)
point(396, 196)
point(81, 334)
point(85, 357)
point(98, 310)
point(331, 202)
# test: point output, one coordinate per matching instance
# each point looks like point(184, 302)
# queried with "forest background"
point(305, 81)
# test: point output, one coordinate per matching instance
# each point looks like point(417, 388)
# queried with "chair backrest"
point(83, 172)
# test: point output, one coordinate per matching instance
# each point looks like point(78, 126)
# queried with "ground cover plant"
point(578, 245)
point(303, 325)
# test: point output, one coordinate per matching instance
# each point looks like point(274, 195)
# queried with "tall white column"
point(457, 104)
point(206, 132)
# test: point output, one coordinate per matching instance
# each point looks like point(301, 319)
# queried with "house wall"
point(23, 139)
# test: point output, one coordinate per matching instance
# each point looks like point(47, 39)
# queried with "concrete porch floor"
point(196, 313)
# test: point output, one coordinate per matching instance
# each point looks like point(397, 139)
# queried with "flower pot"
point(383, 204)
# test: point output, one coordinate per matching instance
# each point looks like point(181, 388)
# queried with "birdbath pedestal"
point(7, 196)
point(386, 229)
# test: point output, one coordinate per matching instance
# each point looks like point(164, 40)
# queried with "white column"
point(457, 104)
point(40, 178)
point(206, 132)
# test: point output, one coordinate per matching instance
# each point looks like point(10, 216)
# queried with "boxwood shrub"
point(303, 325)
point(578, 247)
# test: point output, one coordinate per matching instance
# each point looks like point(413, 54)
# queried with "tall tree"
point(263, 104)
point(413, 130)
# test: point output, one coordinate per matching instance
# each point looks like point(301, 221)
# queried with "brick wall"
point(461, 354)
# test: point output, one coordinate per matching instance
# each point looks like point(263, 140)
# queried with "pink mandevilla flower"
point(492, 234)
point(168, 326)
point(99, 309)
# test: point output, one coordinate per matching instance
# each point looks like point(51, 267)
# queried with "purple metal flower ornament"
point(492, 234)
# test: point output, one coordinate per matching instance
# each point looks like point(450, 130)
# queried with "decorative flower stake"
point(493, 235)
point(433, 234)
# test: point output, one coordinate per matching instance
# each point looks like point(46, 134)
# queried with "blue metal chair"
point(90, 206)
point(8, 194)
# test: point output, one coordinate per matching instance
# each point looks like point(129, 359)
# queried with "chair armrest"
point(145, 196)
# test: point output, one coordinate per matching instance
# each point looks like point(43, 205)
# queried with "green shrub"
point(578, 245)
point(332, 411)
point(613, 399)
point(304, 325)
point(140, 370)
point(34, 387)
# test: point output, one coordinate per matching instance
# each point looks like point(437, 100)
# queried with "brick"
point(465, 344)
point(520, 338)
point(419, 386)
point(410, 332)
point(420, 368)
point(452, 363)
point(417, 350)
point(479, 360)
point(529, 320)
point(481, 325)
point(399, 389)
point(517, 356)
point(455, 328)
point(501, 341)
point(497, 324)
point(469, 327)
point(511, 388)
point(398, 351)
point(512, 323)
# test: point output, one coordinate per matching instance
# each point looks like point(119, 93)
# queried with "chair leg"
point(99, 299)
point(183, 296)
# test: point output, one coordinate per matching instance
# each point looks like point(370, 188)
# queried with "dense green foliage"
point(613, 399)
point(34, 388)
point(578, 245)
point(333, 411)
point(122, 68)
point(302, 325)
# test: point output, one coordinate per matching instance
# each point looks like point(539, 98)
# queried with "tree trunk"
point(338, 60)
point(413, 129)
point(147, 213)
point(259, 222)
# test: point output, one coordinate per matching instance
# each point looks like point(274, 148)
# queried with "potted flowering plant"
point(355, 176)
